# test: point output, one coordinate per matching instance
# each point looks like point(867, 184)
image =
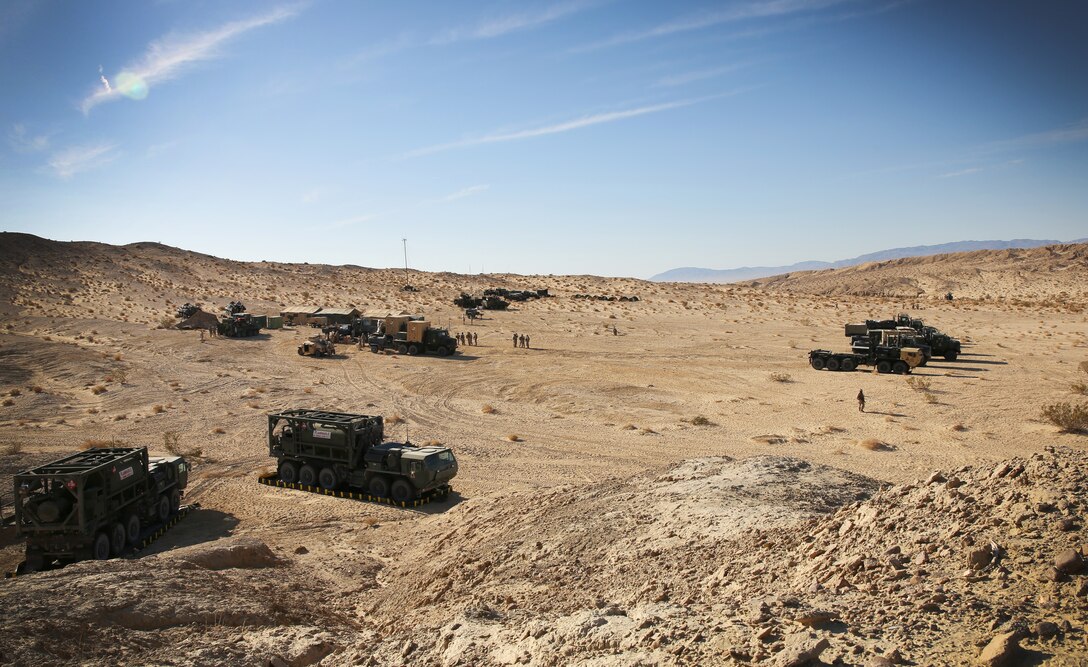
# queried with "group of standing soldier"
point(521, 340)
point(468, 338)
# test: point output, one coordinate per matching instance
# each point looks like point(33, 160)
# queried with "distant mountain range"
point(690, 274)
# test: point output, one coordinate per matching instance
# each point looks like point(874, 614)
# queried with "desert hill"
point(1036, 275)
point(664, 481)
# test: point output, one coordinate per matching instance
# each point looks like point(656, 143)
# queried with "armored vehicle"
point(336, 450)
point(239, 325)
point(466, 300)
point(494, 303)
point(886, 358)
point(861, 337)
point(409, 336)
point(95, 503)
point(235, 307)
point(187, 311)
point(940, 344)
point(317, 347)
point(472, 313)
point(365, 327)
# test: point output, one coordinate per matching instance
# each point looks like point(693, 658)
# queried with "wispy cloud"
point(461, 194)
point(23, 142)
point(975, 170)
point(497, 27)
point(699, 75)
point(75, 159)
point(169, 56)
point(701, 21)
point(962, 172)
point(566, 126)
point(1070, 134)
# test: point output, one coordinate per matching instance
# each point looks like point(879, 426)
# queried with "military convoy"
point(408, 335)
point(95, 504)
point(335, 450)
point(940, 344)
point(891, 346)
point(862, 337)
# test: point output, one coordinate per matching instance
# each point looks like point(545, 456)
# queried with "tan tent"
point(199, 320)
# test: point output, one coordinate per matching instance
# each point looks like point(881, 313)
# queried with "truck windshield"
point(439, 460)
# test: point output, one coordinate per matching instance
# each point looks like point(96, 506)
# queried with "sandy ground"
point(583, 407)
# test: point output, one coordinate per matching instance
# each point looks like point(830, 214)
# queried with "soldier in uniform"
point(526, 342)
point(861, 400)
point(515, 340)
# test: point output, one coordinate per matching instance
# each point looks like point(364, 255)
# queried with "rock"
point(1069, 561)
point(227, 554)
point(979, 558)
point(1045, 629)
point(1067, 524)
point(879, 661)
point(801, 650)
point(302, 550)
point(815, 617)
point(1002, 650)
point(276, 661)
point(935, 478)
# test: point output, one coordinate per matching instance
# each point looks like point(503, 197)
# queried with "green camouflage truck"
point(334, 450)
point(96, 503)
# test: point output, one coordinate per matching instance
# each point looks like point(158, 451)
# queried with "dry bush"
point(1083, 366)
point(166, 323)
point(394, 419)
point(513, 437)
point(218, 430)
point(158, 409)
point(7, 401)
point(117, 357)
point(488, 410)
point(629, 427)
point(121, 417)
point(959, 427)
point(8, 448)
point(37, 389)
point(929, 398)
point(308, 390)
point(1079, 388)
point(700, 420)
point(781, 377)
point(15, 392)
point(253, 404)
point(1068, 417)
point(646, 430)
point(873, 445)
point(371, 521)
point(918, 384)
point(828, 428)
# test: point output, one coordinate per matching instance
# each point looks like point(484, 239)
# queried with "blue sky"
point(579, 136)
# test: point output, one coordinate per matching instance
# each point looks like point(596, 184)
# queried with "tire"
point(132, 529)
point(307, 476)
point(289, 472)
point(443, 351)
point(118, 537)
point(413, 349)
point(327, 479)
point(832, 364)
point(402, 349)
point(402, 491)
point(101, 548)
point(817, 363)
point(900, 367)
point(848, 365)
point(35, 561)
point(300, 352)
point(162, 510)
point(378, 486)
point(883, 366)
point(175, 501)
point(950, 356)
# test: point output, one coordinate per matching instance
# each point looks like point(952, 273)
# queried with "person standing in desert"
point(861, 400)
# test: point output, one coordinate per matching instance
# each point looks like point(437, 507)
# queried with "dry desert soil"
point(687, 491)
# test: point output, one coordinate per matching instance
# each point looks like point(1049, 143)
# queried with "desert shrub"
point(218, 430)
point(253, 404)
point(166, 323)
point(1079, 388)
point(872, 444)
point(917, 383)
point(15, 392)
point(488, 410)
point(781, 377)
point(394, 419)
point(513, 437)
point(929, 398)
point(8, 401)
point(700, 420)
point(629, 427)
point(11, 448)
point(37, 389)
point(158, 409)
point(1067, 416)
point(1083, 366)
point(98, 389)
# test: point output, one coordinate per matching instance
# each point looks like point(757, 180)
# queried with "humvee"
point(317, 347)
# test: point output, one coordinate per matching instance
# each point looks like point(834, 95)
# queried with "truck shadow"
point(200, 525)
point(441, 506)
point(957, 368)
point(983, 361)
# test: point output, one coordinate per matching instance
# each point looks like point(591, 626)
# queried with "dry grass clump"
point(1079, 388)
point(1068, 417)
point(488, 409)
point(929, 398)
point(7, 401)
point(700, 420)
point(371, 522)
point(629, 427)
point(219, 430)
point(873, 445)
point(959, 427)
point(308, 390)
point(781, 377)
point(37, 389)
point(646, 430)
point(15, 392)
point(98, 389)
point(918, 384)
point(253, 404)
point(121, 417)
point(1083, 366)
point(432, 443)
point(8, 448)
point(158, 409)
point(118, 357)
point(513, 437)
point(394, 419)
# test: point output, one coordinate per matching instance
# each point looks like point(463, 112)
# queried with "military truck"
point(363, 328)
point(337, 449)
point(317, 347)
point(186, 311)
point(940, 344)
point(95, 503)
point(466, 300)
point(885, 358)
point(861, 337)
point(235, 307)
point(413, 336)
point(492, 302)
point(239, 325)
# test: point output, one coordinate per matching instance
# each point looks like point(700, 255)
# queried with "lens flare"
point(131, 86)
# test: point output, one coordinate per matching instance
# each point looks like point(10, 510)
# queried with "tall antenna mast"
point(405, 242)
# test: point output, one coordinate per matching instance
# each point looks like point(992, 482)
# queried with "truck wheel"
point(307, 475)
point(327, 478)
point(175, 501)
point(162, 511)
point(300, 352)
point(950, 356)
point(101, 550)
point(401, 491)
point(413, 349)
point(443, 351)
point(378, 487)
point(832, 364)
point(848, 365)
point(883, 367)
point(402, 349)
point(288, 472)
point(117, 539)
point(132, 529)
point(35, 561)
point(900, 367)
point(817, 363)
